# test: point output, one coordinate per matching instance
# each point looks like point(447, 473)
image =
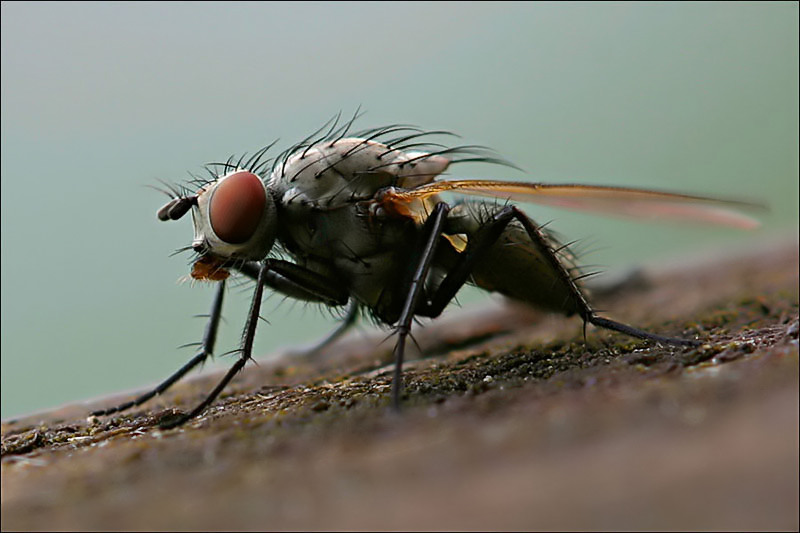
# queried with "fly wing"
point(625, 201)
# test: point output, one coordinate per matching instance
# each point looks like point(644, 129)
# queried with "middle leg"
point(431, 233)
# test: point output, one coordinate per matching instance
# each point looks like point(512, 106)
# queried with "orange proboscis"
point(208, 268)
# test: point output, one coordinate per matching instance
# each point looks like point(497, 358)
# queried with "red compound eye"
point(237, 206)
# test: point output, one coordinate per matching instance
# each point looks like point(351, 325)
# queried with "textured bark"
point(511, 421)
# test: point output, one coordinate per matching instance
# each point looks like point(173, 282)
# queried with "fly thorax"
point(235, 217)
point(335, 172)
point(348, 231)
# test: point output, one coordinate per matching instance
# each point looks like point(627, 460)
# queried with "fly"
point(361, 216)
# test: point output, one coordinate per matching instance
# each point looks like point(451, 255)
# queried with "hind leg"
point(479, 247)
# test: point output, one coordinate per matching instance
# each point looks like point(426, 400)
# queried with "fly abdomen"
point(534, 269)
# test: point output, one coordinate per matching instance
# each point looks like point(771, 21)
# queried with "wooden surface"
point(510, 422)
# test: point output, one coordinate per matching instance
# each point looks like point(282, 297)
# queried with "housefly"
point(361, 218)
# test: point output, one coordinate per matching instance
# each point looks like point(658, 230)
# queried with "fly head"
point(235, 218)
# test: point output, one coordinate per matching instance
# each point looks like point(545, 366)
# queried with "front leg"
point(205, 351)
point(297, 282)
point(287, 278)
point(301, 279)
point(245, 353)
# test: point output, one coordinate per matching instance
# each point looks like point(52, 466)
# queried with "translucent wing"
point(625, 201)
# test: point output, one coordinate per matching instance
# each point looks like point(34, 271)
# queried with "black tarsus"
point(431, 233)
point(461, 272)
point(587, 313)
point(282, 276)
point(636, 332)
point(246, 354)
point(297, 282)
point(206, 350)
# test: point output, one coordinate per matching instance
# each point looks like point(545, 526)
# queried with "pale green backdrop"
point(101, 99)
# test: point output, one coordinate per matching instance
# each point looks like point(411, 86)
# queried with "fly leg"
point(433, 230)
point(245, 354)
point(293, 280)
point(297, 282)
point(349, 320)
point(206, 349)
point(479, 246)
point(587, 313)
point(287, 278)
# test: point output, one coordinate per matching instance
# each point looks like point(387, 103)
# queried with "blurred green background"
point(100, 99)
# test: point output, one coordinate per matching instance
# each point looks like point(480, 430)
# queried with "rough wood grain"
point(511, 422)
